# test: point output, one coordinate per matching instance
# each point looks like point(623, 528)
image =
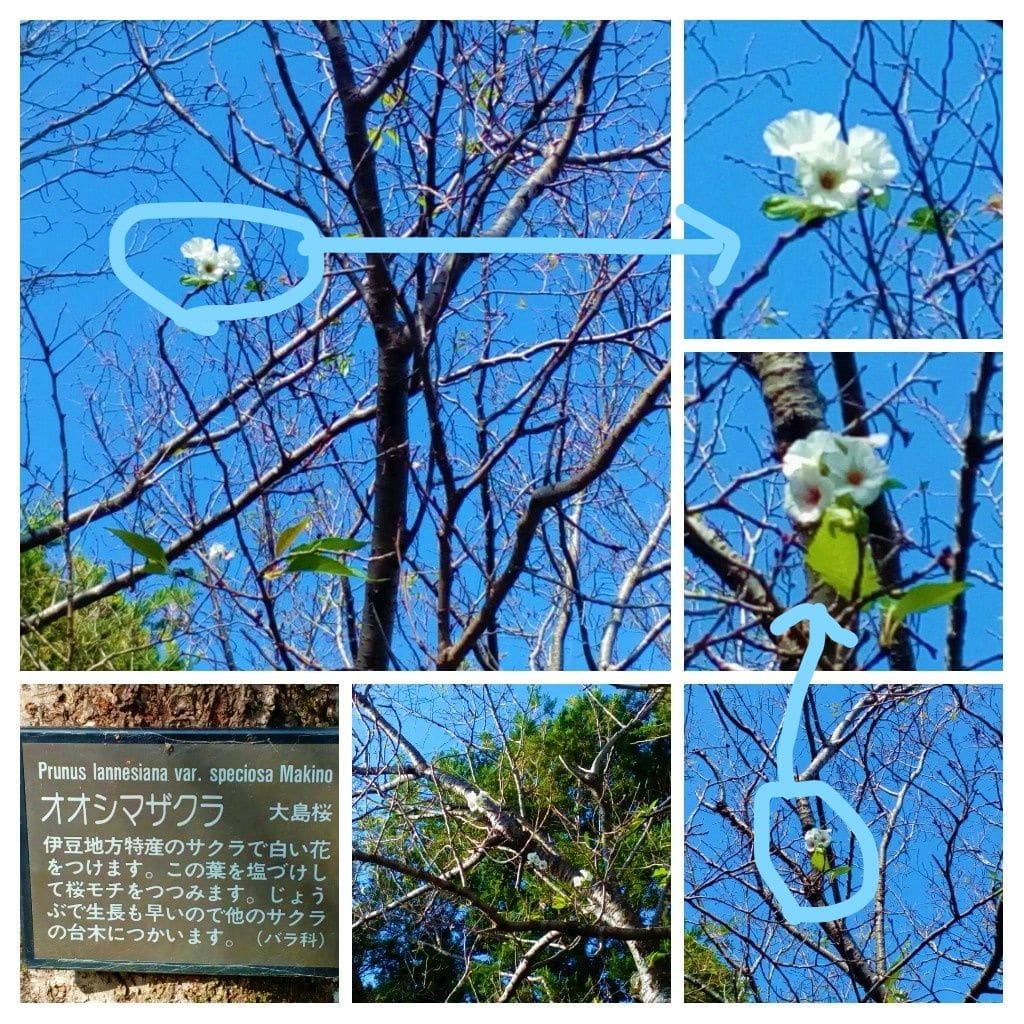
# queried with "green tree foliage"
point(606, 814)
point(118, 633)
point(707, 978)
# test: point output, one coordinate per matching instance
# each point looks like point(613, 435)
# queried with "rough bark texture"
point(791, 395)
point(174, 706)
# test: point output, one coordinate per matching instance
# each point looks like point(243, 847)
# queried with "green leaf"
point(921, 598)
point(923, 220)
point(839, 555)
point(340, 544)
point(145, 546)
point(893, 485)
point(818, 861)
point(834, 873)
point(928, 222)
point(191, 281)
point(156, 568)
point(288, 537)
point(376, 136)
point(255, 286)
point(881, 200)
point(780, 207)
point(312, 561)
point(568, 26)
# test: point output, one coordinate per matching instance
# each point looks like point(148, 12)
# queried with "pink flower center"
point(855, 478)
point(828, 180)
point(813, 495)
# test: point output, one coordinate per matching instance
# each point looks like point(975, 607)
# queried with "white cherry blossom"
point(220, 551)
point(799, 132)
point(808, 451)
point(817, 839)
point(873, 162)
point(856, 469)
point(808, 494)
point(826, 176)
point(210, 262)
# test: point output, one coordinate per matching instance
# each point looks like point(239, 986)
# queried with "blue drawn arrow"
point(821, 625)
point(720, 242)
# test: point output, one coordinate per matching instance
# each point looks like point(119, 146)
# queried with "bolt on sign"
point(199, 851)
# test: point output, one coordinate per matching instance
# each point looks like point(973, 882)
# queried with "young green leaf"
point(881, 200)
point(921, 598)
point(780, 207)
point(338, 544)
point(818, 861)
point(928, 222)
point(288, 537)
point(145, 546)
point(191, 281)
point(834, 873)
point(840, 556)
point(311, 561)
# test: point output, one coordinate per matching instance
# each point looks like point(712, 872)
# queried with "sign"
point(199, 851)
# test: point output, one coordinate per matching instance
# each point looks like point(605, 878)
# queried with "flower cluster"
point(832, 172)
point(210, 262)
point(818, 839)
point(537, 862)
point(581, 878)
point(824, 466)
point(220, 551)
point(474, 802)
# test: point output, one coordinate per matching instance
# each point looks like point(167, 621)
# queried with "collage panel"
point(180, 843)
point(511, 844)
point(260, 447)
point(860, 162)
point(920, 769)
point(868, 481)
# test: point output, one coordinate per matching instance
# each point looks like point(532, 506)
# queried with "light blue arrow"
point(720, 242)
point(821, 625)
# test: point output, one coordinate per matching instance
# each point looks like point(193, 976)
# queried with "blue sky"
point(741, 75)
point(920, 455)
point(437, 709)
point(956, 798)
point(70, 200)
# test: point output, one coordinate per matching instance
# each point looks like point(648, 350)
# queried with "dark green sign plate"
point(194, 851)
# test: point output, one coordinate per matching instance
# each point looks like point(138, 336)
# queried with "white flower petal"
point(197, 248)
point(873, 161)
point(228, 258)
point(807, 494)
point(800, 131)
point(856, 469)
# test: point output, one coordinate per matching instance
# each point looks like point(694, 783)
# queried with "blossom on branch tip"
point(210, 262)
point(817, 839)
point(832, 172)
point(823, 467)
